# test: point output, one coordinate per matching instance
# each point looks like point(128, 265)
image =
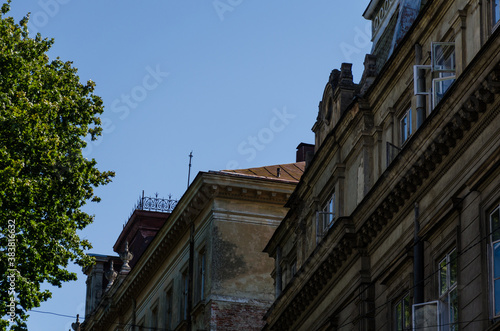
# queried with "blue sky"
point(237, 82)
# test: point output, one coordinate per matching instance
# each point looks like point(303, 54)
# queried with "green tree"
point(45, 115)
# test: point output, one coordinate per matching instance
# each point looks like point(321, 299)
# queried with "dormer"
point(391, 20)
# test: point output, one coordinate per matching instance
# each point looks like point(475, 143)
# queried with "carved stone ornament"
point(126, 256)
point(111, 276)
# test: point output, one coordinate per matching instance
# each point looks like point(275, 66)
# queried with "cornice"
point(206, 187)
point(445, 128)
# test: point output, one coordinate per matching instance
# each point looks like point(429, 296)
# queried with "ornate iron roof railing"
point(153, 204)
point(156, 204)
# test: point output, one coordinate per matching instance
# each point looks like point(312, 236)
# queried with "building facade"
point(395, 223)
point(199, 266)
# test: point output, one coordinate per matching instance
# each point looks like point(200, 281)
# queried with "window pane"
point(497, 296)
point(453, 268)
point(443, 57)
point(409, 122)
point(495, 225)
point(443, 287)
point(407, 313)
point(404, 129)
point(399, 321)
point(496, 260)
point(453, 309)
point(496, 11)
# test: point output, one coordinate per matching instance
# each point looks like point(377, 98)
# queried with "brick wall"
point(237, 316)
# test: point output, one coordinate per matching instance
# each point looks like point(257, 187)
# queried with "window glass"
point(325, 217)
point(453, 307)
point(497, 296)
point(399, 316)
point(407, 313)
point(448, 290)
point(185, 286)
point(496, 260)
point(403, 314)
point(406, 127)
point(495, 11)
point(453, 268)
point(169, 303)
point(495, 224)
point(201, 274)
point(443, 287)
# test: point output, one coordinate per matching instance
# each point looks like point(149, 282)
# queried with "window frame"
point(325, 218)
point(444, 72)
point(436, 310)
point(444, 64)
point(447, 312)
point(405, 303)
point(154, 316)
point(169, 303)
point(495, 13)
point(406, 133)
point(494, 242)
point(201, 274)
point(183, 311)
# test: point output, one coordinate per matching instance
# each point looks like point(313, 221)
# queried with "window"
point(405, 125)
point(425, 316)
point(184, 298)
point(168, 307)
point(448, 292)
point(443, 72)
point(293, 267)
point(402, 314)
point(154, 317)
point(201, 274)
point(444, 64)
point(283, 275)
point(442, 314)
point(495, 11)
point(495, 260)
point(325, 217)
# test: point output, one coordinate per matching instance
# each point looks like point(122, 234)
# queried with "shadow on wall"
point(228, 264)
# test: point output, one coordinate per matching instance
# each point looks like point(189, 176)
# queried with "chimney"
point(305, 152)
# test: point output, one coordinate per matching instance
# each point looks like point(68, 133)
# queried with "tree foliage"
point(45, 114)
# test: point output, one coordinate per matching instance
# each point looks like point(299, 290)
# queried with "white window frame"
point(431, 307)
point(445, 73)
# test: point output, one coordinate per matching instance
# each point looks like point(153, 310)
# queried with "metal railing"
point(155, 203)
